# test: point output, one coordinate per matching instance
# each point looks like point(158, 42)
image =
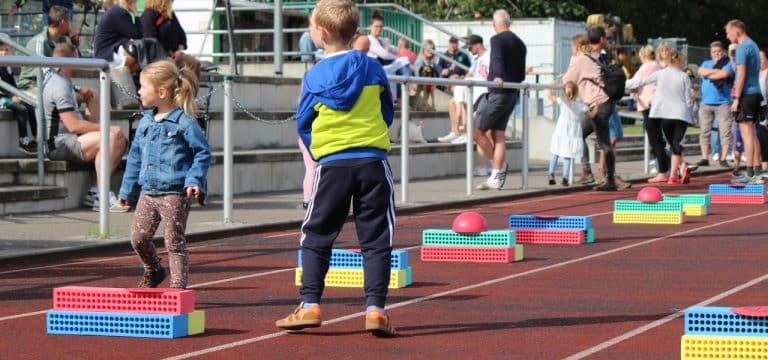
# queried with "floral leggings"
point(173, 209)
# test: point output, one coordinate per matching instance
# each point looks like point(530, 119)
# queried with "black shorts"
point(494, 109)
point(749, 108)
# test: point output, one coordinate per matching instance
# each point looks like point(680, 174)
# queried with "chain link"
point(201, 100)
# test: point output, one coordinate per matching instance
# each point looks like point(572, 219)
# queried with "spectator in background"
point(644, 96)
point(404, 51)
point(43, 44)
point(120, 24)
point(507, 65)
point(307, 48)
point(481, 64)
point(716, 84)
point(663, 54)
point(746, 95)
point(446, 68)
point(426, 66)
point(72, 137)
point(382, 50)
point(23, 112)
point(160, 22)
point(361, 42)
point(47, 5)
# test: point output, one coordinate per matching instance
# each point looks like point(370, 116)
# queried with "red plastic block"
point(528, 236)
point(737, 199)
point(472, 254)
point(144, 301)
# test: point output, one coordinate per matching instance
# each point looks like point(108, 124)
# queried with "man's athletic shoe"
point(301, 318)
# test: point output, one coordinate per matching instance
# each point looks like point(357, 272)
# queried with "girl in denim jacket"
point(167, 163)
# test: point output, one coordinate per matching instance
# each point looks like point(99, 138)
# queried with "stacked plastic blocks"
point(737, 194)
point(638, 212)
point(346, 269)
point(494, 246)
point(719, 333)
point(532, 229)
point(151, 313)
point(693, 204)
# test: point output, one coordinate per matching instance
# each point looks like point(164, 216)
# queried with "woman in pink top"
point(644, 96)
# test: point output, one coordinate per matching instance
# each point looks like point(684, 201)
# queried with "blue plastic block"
point(758, 189)
point(348, 259)
point(713, 320)
point(550, 222)
point(116, 324)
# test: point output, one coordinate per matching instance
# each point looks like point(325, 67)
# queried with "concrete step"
point(23, 171)
point(16, 199)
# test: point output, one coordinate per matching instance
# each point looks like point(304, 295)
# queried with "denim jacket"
point(166, 156)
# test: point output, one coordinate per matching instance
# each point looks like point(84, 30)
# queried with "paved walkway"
point(26, 235)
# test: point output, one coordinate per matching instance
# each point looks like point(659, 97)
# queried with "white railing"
point(41, 62)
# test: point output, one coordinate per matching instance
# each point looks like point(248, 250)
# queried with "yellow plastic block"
point(638, 217)
point(694, 347)
point(519, 252)
point(694, 210)
point(196, 322)
point(339, 277)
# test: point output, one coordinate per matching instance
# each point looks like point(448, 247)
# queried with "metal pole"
point(404, 120)
point(278, 37)
point(230, 29)
point(526, 100)
point(228, 161)
point(41, 128)
point(646, 157)
point(104, 157)
point(468, 129)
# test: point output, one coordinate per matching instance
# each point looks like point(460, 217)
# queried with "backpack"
point(613, 78)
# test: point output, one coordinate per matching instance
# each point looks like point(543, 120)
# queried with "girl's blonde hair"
point(647, 52)
point(164, 7)
point(126, 5)
point(571, 90)
point(423, 53)
point(181, 83)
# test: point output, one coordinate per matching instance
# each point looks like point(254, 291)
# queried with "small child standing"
point(345, 109)
point(168, 162)
point(24, 113)
point(566, 139)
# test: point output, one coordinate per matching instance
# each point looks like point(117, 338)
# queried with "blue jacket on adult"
point(166, 156)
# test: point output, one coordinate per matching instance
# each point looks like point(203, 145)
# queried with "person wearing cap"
point(446, 68)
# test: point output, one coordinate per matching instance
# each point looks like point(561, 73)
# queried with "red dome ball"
point(469, 222)
point(649, 194)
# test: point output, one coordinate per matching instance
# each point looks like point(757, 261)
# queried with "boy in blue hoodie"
point(345, 109)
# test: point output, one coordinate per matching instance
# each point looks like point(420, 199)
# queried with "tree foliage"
point(700, 21)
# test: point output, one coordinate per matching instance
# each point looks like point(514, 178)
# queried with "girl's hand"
point(193, 191)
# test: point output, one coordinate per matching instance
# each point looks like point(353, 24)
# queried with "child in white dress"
point(566, 139)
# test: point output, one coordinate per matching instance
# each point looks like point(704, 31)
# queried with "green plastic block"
point(495, 238)
point(689, 199)
point(639, 206)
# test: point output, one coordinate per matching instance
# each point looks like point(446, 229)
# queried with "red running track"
point(618, 298)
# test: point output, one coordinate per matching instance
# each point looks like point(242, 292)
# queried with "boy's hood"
point(337, 81)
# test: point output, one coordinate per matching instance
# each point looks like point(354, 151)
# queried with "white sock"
point(494, 172)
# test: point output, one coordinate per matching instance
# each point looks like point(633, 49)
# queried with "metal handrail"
point(525, 89)
point(433, 51)
point(41, 62)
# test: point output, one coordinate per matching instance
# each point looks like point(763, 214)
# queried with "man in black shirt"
point(494, 108)
point(446, 68)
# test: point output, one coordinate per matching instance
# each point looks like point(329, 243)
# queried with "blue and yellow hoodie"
point(345, 109)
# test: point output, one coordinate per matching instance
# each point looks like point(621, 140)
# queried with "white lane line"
point(11, 317)
point(128, 256)
point(662, 321)
point(465, 288)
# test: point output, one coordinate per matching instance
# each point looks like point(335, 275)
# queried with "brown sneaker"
point(378, 324)
point(621, 184)
point(587, 178)
point(301, 318)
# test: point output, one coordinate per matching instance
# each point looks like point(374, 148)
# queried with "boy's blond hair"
point(339, 17)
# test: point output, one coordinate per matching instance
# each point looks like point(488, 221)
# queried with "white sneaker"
point(448, 138)
point(112, 201)
point(495, 182)
point(461, 139)
point(715, 157)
